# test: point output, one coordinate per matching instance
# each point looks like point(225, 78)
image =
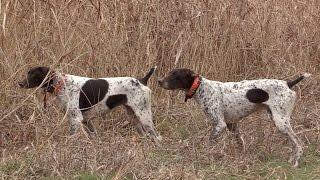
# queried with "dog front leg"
point(233, 127)
point(219, 124)
point(75, 120)
point(217, 130)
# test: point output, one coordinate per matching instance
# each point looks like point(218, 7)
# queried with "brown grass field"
point(225, 40)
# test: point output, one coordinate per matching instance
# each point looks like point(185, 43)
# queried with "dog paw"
point(294, 162)
point(157, 143)
point(213, 140)
point(291, 160)
point(213, 137)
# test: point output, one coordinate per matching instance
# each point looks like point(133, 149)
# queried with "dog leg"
point(281, 118)
point(295, 158)
point(135, 121)
point(281, 111)
point(145, 118)
point(233, 127)
point(218, 123)
point(284, 127)
point(217, 130)
point(89, 127)
point(75, 119)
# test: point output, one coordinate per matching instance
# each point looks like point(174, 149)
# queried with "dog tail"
point(296, 81)
point(145, 79)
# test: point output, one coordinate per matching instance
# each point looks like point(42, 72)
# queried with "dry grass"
point(222, 40)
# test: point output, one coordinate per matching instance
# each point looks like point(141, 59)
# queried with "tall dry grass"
point(222, 40)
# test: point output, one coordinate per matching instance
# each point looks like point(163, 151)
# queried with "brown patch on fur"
point(178, 79)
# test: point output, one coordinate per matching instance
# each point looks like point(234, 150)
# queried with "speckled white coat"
point(227, 103)
point(138, 99)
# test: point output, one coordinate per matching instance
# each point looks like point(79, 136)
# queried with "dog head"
point(34, 78)
point(181, 79)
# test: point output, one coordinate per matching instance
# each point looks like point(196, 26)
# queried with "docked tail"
point(296, 81)
point(145, 79)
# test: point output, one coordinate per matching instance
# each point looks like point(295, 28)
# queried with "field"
point(225, 40)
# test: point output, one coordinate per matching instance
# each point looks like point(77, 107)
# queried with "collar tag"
point(194, 87)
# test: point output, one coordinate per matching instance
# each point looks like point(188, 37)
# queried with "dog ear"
point(193, 74)
point(45, 70)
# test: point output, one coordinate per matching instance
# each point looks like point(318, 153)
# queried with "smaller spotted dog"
point(83, 95)
point(226, 103)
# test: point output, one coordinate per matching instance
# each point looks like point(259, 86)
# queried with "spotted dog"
point(225, 103)
point(83, 95)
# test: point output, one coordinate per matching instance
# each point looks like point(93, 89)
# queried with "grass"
point(10, 167)
point(277, 168)
point(274, 167)
point(94, 176)
point(222, 40)
point(89, 176)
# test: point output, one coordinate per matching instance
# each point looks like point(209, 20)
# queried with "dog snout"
point(22, 84)
point(163, 83)
point(160, 81)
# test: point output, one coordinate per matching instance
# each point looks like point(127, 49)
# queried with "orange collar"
point(194, 87)
point(58, 86)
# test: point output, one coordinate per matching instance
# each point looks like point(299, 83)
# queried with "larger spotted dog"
point(83, 95)
point(226, 103)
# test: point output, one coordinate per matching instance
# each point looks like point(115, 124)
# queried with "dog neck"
point(201, 91)
point(55, 83)
point(194, 87)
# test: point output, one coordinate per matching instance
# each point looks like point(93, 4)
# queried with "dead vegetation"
point(222, 40)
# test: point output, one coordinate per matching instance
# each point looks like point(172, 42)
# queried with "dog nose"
point(21, 84)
